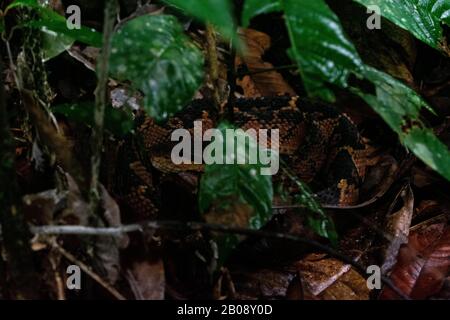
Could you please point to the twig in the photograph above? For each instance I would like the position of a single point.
(87, 270)
(101, 101)
(54, 258)
(232, 82)
(264, 70)
(200, 226)
(213, 63)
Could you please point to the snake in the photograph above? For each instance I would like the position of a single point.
(320, 145)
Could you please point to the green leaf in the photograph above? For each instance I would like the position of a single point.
(217, 12)
(117, 121)
(54, 44)
(425, 145)
(52, 21)
(320, 46)
(23, 3)
(49, 20)
(317, 219)
(237, 194)
(395, 101)
(399, 106)
(252, 8)
(421, 17)
(158, 58)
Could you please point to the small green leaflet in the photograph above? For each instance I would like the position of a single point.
(51, 21)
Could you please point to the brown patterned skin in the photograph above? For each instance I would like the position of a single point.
(319, 144)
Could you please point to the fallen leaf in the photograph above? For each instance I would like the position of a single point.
(397, 228)
(423, 264)
(147, 280)
(328, 278)
(259, 83)
(262, 283)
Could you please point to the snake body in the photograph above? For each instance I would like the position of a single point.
(321, 146)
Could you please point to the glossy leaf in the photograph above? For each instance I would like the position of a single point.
(23, 3)
(421, 17)
(320, 46)
(399, 106)
(54, 44)
(50, 21)
(158, 58)
(251, 193)
(253, 8)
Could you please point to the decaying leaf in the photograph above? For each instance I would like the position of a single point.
(329, 278)
(398, 224)
(423, 264)
(147, 280)
(262, 284)
(259, 83)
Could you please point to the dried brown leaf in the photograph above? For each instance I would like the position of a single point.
(423, 264)
(259, 84)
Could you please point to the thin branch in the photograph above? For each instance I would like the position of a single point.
(264, 70)
(101, 101)
(200, 226)
(87, 270)
(232, 82)
(213, 63)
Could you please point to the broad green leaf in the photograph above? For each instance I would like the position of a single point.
(421, 17)
(50, 21)
(158, 58)
(117, 121)
(236, 194)
(425, 145)
(395, 101)
(252, 8)
(399, 107)
(320, 46)
(217, 12)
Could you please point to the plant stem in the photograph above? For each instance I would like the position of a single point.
(101, 99)
(232, 82)
(213, 63)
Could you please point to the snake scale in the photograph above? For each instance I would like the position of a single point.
(321, 146)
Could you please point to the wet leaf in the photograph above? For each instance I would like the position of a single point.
(319, 46)
(422, 18)
(250, 192)
(399, 106)
(50, 21)
(155, 55)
